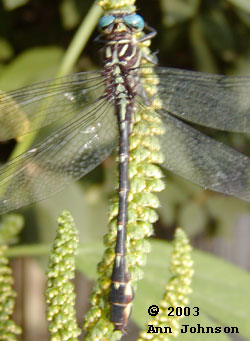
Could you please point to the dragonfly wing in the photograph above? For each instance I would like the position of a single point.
(203, 160)
(38, 105)
(220, 102)
(73, 151)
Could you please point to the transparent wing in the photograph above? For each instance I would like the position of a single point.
(203, 160)
(220, 102)
(74, 150)
(36, 106)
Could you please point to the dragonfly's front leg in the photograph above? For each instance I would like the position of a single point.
(152, 33)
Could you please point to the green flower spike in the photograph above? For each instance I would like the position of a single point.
(9, 228)
(145, 178)
(111, 5)
(60, 295)
(177, 289)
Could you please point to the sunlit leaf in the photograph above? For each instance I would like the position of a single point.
(244, 17)
(69, 13)
(31, 66)
(10, 227)
(15, 114)
(9, 5)
(176, 11)
(6, 50)
(243, 4)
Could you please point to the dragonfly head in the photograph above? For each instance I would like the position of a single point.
(107, 23)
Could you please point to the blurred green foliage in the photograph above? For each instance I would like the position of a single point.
(206, 35)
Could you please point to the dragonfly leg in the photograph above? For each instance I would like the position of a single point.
(151, 59)
(99, 39)
(146, 100)
(152, 33)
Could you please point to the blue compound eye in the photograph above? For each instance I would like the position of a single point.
(105, 21)
(134, 20)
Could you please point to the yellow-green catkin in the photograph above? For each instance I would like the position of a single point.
(9, 228)
(110, 5)
(145, 178)
(60, 295)
(176, 292)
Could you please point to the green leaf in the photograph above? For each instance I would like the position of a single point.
(244, 17)
(31, 66)
(242, 65)
(88, 256)
(192, 218)
(167, 213)
(174, 192)
(176, 11)
(9, 5)
(243, 4)
(69, 13)
(10, 226)
(6, 50)
(82, 204)
(203, 56)
(219, 34)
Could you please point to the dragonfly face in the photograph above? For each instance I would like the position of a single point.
(121, 22)
(121, 47)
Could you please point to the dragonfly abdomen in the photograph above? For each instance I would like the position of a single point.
(121, 294)
(120, 55)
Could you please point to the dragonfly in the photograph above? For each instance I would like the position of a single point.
(95, 110)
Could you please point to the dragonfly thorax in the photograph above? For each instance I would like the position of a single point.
(121, 57)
